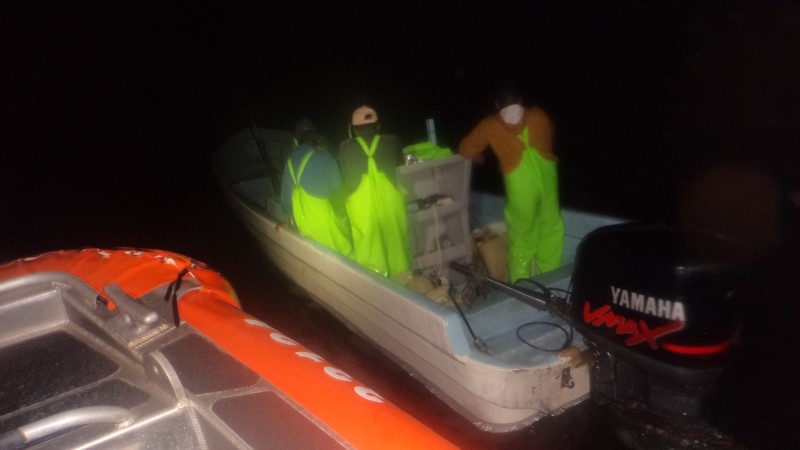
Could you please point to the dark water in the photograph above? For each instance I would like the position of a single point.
(111, 112)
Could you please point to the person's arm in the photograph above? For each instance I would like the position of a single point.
(287, 186)
(398, 146)
(389, 156)
(336, 187)
(473, 144)
(541, 130)
(346, 169)
(332, 174)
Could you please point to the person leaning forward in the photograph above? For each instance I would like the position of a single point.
(303, 126)
(375, 206)
(522, 138)
(311, 190)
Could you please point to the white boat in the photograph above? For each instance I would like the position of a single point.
(477, 363)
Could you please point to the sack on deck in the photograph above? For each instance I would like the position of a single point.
(491, 247)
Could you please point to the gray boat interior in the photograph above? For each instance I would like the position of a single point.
(500, 321)
(74, 374)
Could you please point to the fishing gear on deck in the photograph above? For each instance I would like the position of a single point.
(536, 299)
(560, 304)
(545, 299)
(479, 343)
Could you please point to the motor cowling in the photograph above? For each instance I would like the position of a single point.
(660, 306)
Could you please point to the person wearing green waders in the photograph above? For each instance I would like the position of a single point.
(312, 194)
(303, 126)
(375, 205)
(522, 140)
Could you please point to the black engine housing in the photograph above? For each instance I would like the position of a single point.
(660, 308)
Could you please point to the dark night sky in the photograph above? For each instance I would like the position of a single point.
(111, 111)
(114, 103)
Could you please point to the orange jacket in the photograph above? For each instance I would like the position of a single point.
(495, 133)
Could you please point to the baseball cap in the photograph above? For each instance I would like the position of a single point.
(364, 115)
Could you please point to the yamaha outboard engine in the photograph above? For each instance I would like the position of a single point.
(660, 308)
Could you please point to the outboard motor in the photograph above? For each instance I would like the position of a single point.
(660, 308)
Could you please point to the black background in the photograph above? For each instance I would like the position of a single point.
(110, 112)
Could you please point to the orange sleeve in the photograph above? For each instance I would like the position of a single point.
(475, 142)
(540, 128)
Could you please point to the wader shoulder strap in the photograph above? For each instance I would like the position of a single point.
(296, 178)
(369, 151)
(524, 137)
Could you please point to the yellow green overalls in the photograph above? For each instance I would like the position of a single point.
(315, 217)
(379, 220)
(535, 226)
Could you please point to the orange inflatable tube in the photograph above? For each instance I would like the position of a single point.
(355, 412)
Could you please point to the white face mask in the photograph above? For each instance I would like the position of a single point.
(512, 114)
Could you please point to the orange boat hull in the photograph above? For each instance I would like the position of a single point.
(357, 414)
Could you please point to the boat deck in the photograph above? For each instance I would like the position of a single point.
(74, 374)
(535, 326)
